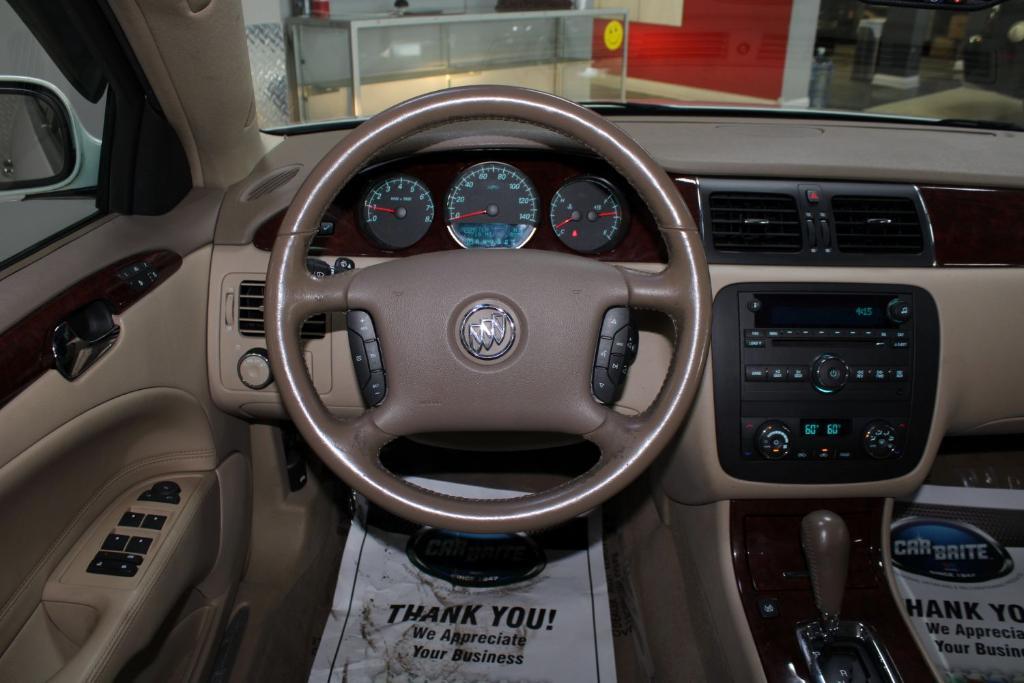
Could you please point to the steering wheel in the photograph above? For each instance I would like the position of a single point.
(555, 304)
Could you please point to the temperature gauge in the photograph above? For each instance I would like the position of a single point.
(588, 215)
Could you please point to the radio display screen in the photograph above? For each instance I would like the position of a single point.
(823, 310)
(824, 428)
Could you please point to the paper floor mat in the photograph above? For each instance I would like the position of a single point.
(421, 605)
(958, 558)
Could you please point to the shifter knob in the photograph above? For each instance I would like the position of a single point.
(826, 543)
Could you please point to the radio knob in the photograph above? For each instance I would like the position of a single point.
(880, 439)
(829, 373)
(899, 310)
(772, 440)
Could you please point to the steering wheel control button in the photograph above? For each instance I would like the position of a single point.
(343, 264)
(254, 369)
(899, 310)
(373, 356)
(604, 389)
(604, 352)
(487, 332)
(773, 440)
(366, 357)
(358, 350)
(614, 320)
(829, 373)
(375, 389)
(361, 323)
(616, 350)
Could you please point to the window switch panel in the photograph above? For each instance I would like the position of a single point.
(155, 522)
(139, 545)
(131, 519)
(115, 542)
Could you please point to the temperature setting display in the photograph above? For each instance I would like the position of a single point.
(823, 438)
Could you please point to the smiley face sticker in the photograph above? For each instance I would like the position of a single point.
(613, 35)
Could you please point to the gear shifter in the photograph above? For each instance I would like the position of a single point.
(826, 543)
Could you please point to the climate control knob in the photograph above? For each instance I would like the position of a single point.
(829, 373)
(880, 439)
(772, 440)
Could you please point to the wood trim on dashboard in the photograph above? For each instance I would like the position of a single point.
(766, 542)
(25, 347)
(976, 226)
(641, 244)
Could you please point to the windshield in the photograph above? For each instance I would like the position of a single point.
(321, 60)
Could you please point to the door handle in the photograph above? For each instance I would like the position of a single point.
(83, 338)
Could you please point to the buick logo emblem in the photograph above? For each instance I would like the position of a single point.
(487, 332)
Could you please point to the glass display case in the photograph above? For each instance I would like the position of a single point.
(345, 66)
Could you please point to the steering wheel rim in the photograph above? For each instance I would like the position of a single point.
(628, 444)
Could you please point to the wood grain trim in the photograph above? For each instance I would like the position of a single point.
(765, 541)
(25, 352)
(976, 227)
(641, 244)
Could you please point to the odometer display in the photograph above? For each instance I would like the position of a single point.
(493, 206)
(396, 212)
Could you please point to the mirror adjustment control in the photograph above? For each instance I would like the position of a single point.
(366, 357)
(617, 348)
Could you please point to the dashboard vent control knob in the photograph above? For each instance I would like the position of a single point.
(829, 373)
(772, 440)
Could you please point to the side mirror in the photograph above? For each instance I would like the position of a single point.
(43, 146)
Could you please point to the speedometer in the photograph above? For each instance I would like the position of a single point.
(492, 205)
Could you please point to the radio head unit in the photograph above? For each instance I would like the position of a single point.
(823, 383)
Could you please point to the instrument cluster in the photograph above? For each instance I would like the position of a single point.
(494, 205)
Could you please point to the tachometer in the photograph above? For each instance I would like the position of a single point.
(396, 212)
(492, 205)
(588, 215)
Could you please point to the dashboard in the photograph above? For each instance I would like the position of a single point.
(799, 231)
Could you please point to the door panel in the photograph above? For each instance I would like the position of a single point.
(76, 454)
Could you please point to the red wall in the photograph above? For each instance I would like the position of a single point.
(738, 46)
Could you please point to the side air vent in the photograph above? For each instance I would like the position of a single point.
(745, 222)
(877, 225)
(250, 313)
(271, 183)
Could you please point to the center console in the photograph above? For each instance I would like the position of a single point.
(823, 383)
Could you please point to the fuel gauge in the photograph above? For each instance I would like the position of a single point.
(588, 215)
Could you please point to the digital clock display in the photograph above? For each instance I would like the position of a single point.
(824, 428)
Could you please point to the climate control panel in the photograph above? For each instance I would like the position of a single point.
(821, 383)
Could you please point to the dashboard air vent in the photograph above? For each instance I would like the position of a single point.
(747, 221)
(877, 225)
(250, 313)
(271, 183)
